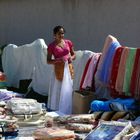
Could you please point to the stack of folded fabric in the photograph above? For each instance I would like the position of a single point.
(82, 123)
(27, 111)
(53, 133)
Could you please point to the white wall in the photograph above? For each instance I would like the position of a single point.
(87, 22)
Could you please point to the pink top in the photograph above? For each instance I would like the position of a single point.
(59, 52)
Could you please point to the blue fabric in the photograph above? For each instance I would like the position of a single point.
(105, 71)
(97, 105)
(127, 104)
(136, 136)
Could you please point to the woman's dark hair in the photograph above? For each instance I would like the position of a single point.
(57, 28)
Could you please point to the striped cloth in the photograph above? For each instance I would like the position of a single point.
(135, 79)
(128, 71)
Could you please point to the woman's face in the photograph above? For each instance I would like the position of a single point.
(60, 34)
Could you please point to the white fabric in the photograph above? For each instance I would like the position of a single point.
(79, 65)
(14, 62)
(27, 62)
(65, 104)
(24, 106)
(41, 76)
(54, 93)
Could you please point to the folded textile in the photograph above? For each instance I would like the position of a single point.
(82, 118)
(117, 104)
(78, 127)
(53, 133)
(24, 106)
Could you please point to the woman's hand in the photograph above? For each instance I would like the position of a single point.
(70, 59)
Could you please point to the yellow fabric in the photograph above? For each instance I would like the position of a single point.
(59, 71)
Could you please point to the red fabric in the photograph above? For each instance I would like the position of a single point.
(115, 66)
(84, 73)
(114, 72)
(134, 77)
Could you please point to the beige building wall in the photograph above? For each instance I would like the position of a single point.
(87, 22)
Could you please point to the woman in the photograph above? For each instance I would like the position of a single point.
(60, 51)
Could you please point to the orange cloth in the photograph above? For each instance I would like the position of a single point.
(59, 71)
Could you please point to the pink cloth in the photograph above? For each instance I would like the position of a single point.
(59, 52)
(90, 71)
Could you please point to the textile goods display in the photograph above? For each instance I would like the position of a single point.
(118, 115)
(113, 115)
(112, 130)
(106, 116)
(53, 133)
(114, 70)
(78, 127)
(82, 118)
(32, 65)
(6, 95)
(103, 71)
(28, 117)
(128, 71)
(121, 70)
(79, 64)
(89, 72)
(24, 106)
(135, 84)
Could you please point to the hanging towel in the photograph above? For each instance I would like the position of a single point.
(109, 39)
(85, 71)
(115, 66)
(135, 74)
(128, 71)
(90, 71)
(121, 70)
(107, 64)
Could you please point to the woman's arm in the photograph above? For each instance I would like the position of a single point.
(73, 55)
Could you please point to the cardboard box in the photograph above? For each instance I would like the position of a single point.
(81, 101)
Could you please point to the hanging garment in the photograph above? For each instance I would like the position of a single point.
(114, 70)
(135, 75)
(109, 39)
(128, 70)
(121, 70)
(107, 64)
(90, 71)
